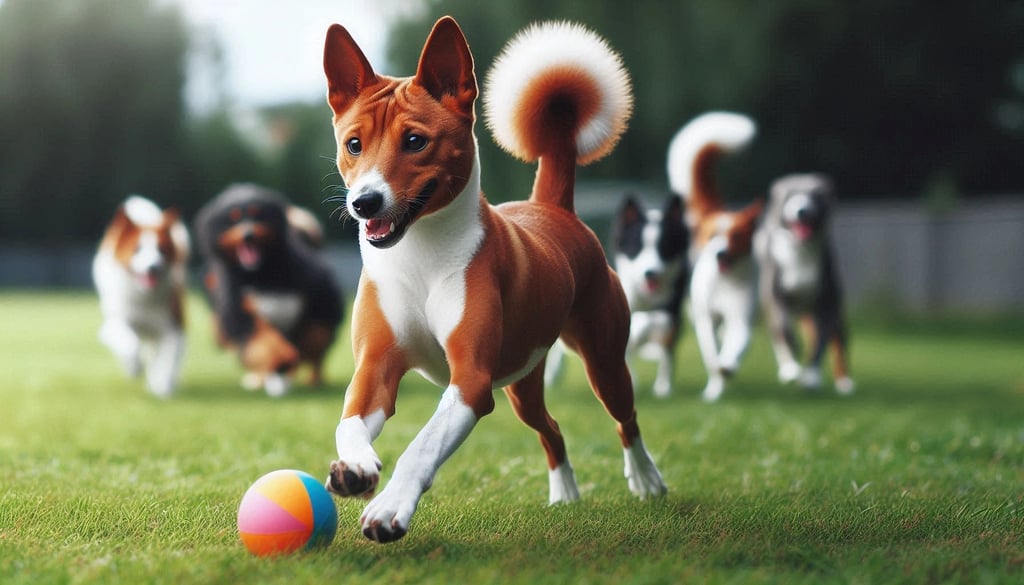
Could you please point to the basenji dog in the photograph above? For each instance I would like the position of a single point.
(468, 294)
(649, 252)
(139, 273)
(723, 300)
(799, 278)
(275, 300)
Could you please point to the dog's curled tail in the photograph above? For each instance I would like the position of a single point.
(695, 149)
(558, 94)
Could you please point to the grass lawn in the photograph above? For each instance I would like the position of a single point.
(917, 478)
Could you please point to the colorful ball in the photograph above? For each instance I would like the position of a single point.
(285, 511)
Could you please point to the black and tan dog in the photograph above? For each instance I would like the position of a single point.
(799, 279)
(275, 300)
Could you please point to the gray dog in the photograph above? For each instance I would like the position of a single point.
(799, 279)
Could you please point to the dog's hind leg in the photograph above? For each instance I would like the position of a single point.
(601, 342)
(527, 399)
(840, 361)
(313, 344)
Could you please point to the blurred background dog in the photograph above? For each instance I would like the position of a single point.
(275, 299)
(649, 248)
(799, 279)
(139, 273)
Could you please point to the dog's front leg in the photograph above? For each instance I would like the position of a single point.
(162, 373)
(387, 516)
(369, 401)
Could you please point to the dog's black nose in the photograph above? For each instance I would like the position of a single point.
(651, 274)
(722, 256)
(368, 204)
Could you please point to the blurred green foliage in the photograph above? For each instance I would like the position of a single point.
(893, 97)
(92, 109)
(887, 95)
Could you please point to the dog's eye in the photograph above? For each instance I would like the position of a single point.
(354, 146)
(415, 143)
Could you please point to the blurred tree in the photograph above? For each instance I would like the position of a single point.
(90, 110)
(886, 95)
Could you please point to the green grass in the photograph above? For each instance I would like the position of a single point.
(917, 478)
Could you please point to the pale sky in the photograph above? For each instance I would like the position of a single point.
(273, 49)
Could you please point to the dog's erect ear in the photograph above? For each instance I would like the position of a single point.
(674, 209)
(446, 67)
(348, 71)
(630, 210)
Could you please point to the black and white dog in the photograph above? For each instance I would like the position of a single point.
(649, 251)
(650, 256)
(799, 279)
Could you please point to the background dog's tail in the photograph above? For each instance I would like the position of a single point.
(558, 94)
(694, 151)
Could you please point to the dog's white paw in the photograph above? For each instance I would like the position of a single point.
(845, 385)
(662, 387)
(810, 379)
(161, 386)
(789, 372)
(641, 473)
(713, 391)
(386, 518)
(252, 381)
(276, 385)
(355, 477)
(562, 485)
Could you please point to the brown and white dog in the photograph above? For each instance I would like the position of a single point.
(468, 294)
(722, 286)
(799, 279)
(139, 273)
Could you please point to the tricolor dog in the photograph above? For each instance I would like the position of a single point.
(468, 294)
(649, 248)
(275, 299)
(723, 301)
(799, 279)
(139, 273)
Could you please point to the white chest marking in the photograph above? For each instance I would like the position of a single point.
(280, 309)
(421, 280)
(799, 265)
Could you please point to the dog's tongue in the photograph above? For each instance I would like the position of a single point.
(378, 228)
(248, 255)
(802, 231)
(147, 280)
(651, 283)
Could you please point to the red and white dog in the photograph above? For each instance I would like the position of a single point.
(139, 273)
(471, 295)
(723, 300)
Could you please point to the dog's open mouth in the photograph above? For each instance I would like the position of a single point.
(249, 255)
(147, 280)
(386, 231)
(651, 283)
(801, 230)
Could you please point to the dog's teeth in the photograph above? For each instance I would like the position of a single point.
(392, 227)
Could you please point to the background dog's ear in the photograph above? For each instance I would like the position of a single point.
(446, 67)
(348, 71)
(630, 210)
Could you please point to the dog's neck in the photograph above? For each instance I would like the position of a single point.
(439, 242)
